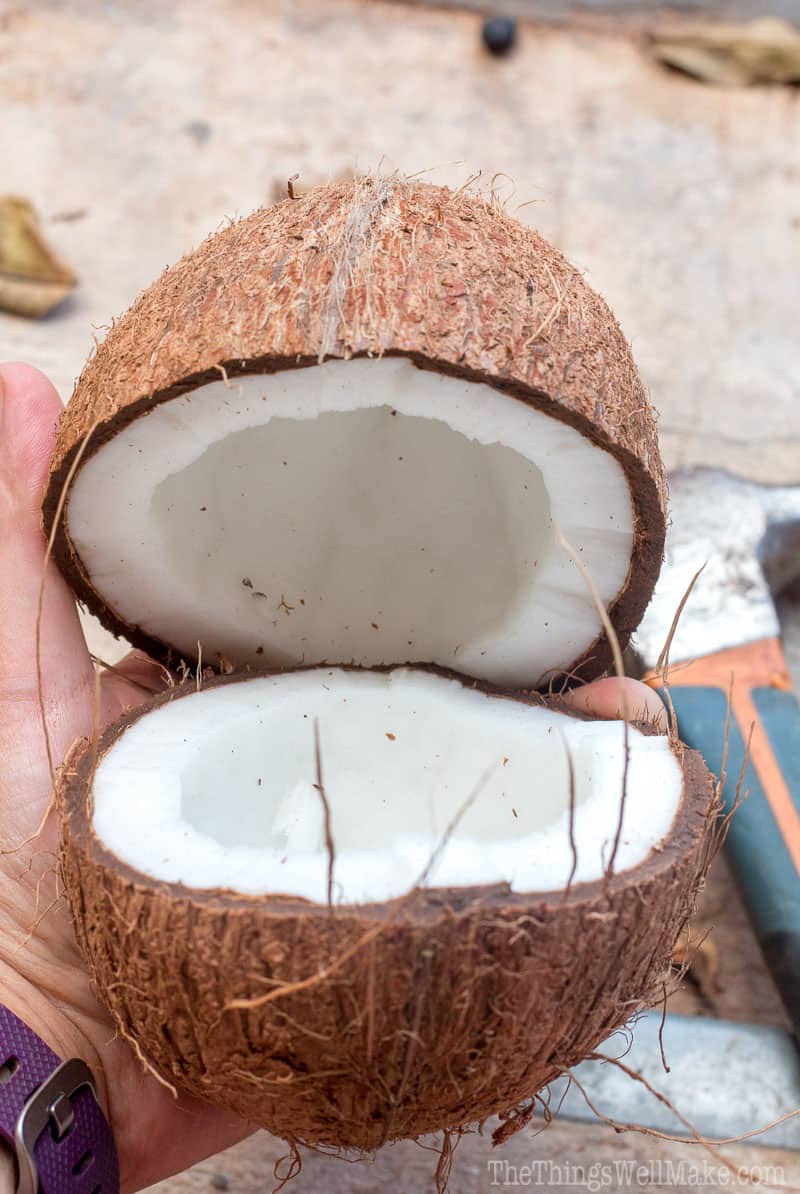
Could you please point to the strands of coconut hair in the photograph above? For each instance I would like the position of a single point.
(662, 668)
(229, 385)
(326, 813)
(199, 668)
(444, 1166)
(551, 316)
(619, 667)
(422, 981)
(516, 1119)
(283, 989)
(293, 1163)
(430, 169)
(711, 1146)
(96, 698)
(571, 814)
(661, 1024)
(40, 914)
(662, 673)
(115, 670)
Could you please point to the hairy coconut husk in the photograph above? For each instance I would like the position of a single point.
(372, 267)
(379, 1021)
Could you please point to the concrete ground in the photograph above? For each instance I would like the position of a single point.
(137, 129)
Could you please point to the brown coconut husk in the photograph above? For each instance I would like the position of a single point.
(374, 267)
(348, 1026)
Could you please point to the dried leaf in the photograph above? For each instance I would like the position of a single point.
(763, 51)
(32, 279)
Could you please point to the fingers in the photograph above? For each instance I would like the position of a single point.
(29, 411)
(612, 698)
(131, 682)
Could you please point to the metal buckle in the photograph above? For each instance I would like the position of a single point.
(50, 1104)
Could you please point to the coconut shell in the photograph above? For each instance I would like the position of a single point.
(371, 267)
(379, 1021)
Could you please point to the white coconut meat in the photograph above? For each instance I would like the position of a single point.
(217, 789)
(363, 511)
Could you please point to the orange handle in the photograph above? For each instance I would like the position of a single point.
(740, 670)
(763, 843)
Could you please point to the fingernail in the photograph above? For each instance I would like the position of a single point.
(2, 397)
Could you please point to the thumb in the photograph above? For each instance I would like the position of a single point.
(613, 698)
(29, 411)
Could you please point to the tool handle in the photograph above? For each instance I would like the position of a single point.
(763, 842)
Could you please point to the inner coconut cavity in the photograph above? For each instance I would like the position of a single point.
(218, 789)
(364, 511)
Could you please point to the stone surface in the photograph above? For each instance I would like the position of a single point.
(147, 125)
(568, 1158)
(636, 11)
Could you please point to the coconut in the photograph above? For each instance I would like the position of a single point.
(373, 884)
(345, 428)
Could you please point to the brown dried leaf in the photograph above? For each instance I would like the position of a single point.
(32, 279)
(762, 51)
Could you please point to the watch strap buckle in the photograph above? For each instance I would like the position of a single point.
(50, 1106)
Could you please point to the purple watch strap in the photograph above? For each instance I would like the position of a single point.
(84, 1160)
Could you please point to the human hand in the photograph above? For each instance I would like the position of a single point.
(42, 976)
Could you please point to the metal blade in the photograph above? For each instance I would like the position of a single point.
(730, 526)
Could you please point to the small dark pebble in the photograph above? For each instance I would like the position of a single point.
(221, 1181)
(499, 34)
(199, 131)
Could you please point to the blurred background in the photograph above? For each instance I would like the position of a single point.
(658, 148)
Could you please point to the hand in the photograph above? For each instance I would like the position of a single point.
(42, 977)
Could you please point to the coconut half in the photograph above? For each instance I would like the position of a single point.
(475, 946)
(347, 430)
(337, 448)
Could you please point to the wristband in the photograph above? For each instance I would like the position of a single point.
(50, 1116)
